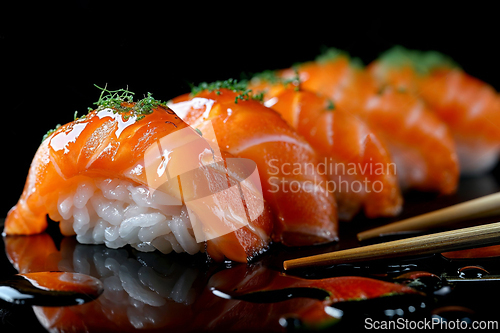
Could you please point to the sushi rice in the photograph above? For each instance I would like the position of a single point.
(117, 212)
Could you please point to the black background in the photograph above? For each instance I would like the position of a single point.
(51, 53)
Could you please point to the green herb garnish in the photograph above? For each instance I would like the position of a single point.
(114, 99)
(49, 133)
(295, 80)
(230, 84)
(268, 76)
(330, 105)
(423, 62)
(272, 78)
(258, 96)
(120, 101)
(243, 96)
(240, 87)
(332, 54)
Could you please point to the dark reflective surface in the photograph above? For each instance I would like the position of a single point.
(155, 292)
(54, 54)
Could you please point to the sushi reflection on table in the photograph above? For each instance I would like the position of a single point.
(153, 291)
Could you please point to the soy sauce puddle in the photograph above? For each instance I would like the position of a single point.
(288, 321)
(50, 289)
(274, 296)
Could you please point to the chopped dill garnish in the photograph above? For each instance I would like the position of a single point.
(258, 96)
(272, 77)
(422, 62)
(75, 115)
(295, 80)
(332, 54)
(120, 101)
(267, 76)
(114, 99)
(240, 87)
(330, 105)
(49, 133)
(230, 84)
(243, 96)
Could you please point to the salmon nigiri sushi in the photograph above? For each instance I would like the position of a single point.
(304, 210)
(419, 142)
(133, 173)
(332, 74)
(470, 107)
(357, 163)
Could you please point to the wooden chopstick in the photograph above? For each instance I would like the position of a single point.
(458, 239)
(481, 207)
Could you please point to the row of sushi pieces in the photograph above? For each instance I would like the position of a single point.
(329, 138)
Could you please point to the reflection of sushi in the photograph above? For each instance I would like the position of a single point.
(251, 283)
(141, 291)
(151, 292)
(357, 163)
(470, 107)
(304, 210)
(419, 142)
(92, 176)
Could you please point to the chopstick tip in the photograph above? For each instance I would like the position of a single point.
(365, 235)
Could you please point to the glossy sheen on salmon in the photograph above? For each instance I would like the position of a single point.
(355, 160)
(306, 213)
(419, 142)
(469, 106)
(110, 144)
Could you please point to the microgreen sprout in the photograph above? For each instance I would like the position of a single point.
(121, 101)
(240, 87)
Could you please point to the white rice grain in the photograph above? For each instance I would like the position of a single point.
(162, 245)
(115, 189)
(84, 192)
(81, 220)
(138, 222)
(65, 206)
(148, 234)
(98, 233)
(182, 235)
(117, 212)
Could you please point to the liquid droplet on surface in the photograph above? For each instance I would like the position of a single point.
(50, 289)
(472, 272)
(273, 296)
